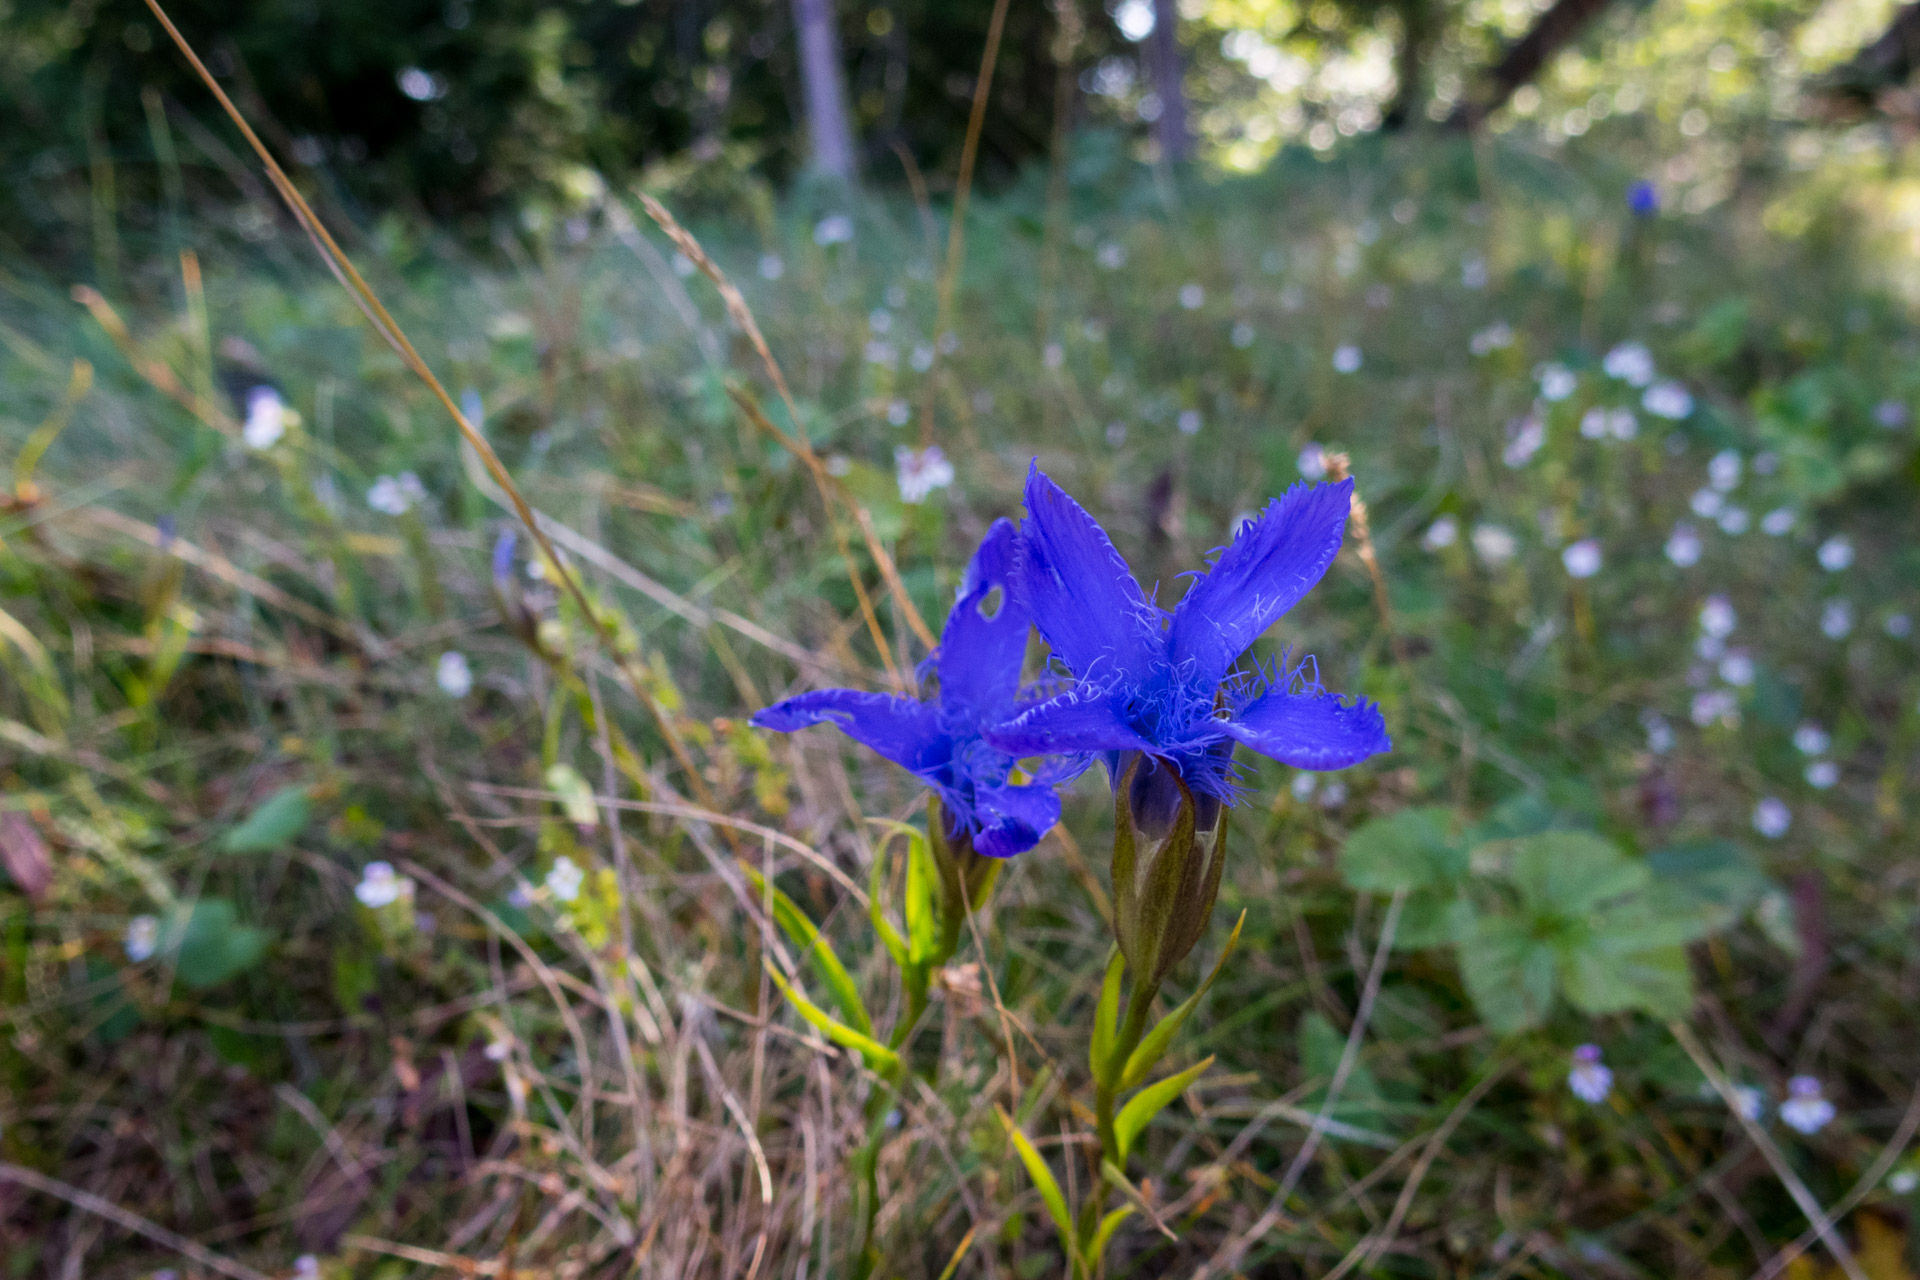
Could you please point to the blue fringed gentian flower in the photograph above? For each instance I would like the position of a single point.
(940, 741)
(1157, 690)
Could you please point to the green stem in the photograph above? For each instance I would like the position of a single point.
(1106, 1098)
(866, 1161)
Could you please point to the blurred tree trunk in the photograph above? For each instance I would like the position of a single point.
(1527, 57)
(1168, 70)
(1885, 65)
(829, 131)
(1418, 29)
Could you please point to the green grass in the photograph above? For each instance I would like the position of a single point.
(327, 1085)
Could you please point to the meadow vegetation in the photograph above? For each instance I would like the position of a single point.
(378, 906)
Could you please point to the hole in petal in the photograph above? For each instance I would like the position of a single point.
(991, 603)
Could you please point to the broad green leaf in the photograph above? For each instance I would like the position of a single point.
(1508, 971)
(1106, 1016)
(1717, 877)
(1432, 918)
(576, 797)
(1568, 873)
(1523, 815)
(795, 924)
(1321, 1048)
(1153, 1045)
(211, 945)
(278, 819)
(1044, 1183)
(1143, 1106)
(1656, 982)
(879, 1058)
(1413, 849)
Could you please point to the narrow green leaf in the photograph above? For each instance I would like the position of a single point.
(576, 796)
(1043, 1183)
(889, 936)
(878, 1057)
(923, 921)
(278, 819)
(1154, 1044)
(795, 924)
(1101, 1237)
(1146, 1104)
(1106, 1016)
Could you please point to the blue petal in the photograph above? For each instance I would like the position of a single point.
(1012, 819)
(1082, 720)
(1310, 730)
(1080, 592)
(980, 653)
(1272, 563)
(904, 731)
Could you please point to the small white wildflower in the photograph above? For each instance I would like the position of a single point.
(880, 320)
(565, 878)
(1473, 273)
(498, 1050)
(1822, 774)
(1116, 434)
(1717, 617)
(899, 413)
(1748, 1102)
(1715, 706)
(1312, 461)
(835, 228)
(1630, 362)
(143, 938)
(1443, 532)
(1242, 336)
(520, 897)
(395, 495)
(1711, 648)
(453, 674)
(1557, 382)
(1346, 358)
(1582, 558)
(1667, 400)
(1734, 521)
(306, 1267)
(1524, 438)
(1836, 620)
(1684, 546)
(380, 886)
(1903, 1182)
(1891, 414)
(1590, 1079)
(771, 267)
(883, 354)
(682, 264)
(1723, 470)
(1660, 736)
(1622, 425)
(421, 86)
(1706, 504)
(1188, 422)
(1303, 786)
(920, 472)
(1193, 296)
(922, 357)
(1493, 544)
(1836, 553)
(1593, 424)
(1771, 817)
(1778, 522)
(1053, 355)
(1333, 793)
(1805, 1111)
(1112, 255)
(1898, 625)
(1495, 337)
(1811, 740)
(266, 418)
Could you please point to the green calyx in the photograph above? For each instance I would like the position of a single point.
(1164, 889)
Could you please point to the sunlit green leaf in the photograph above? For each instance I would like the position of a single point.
(818, 952)
(1143, 1106)
(272, 825)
